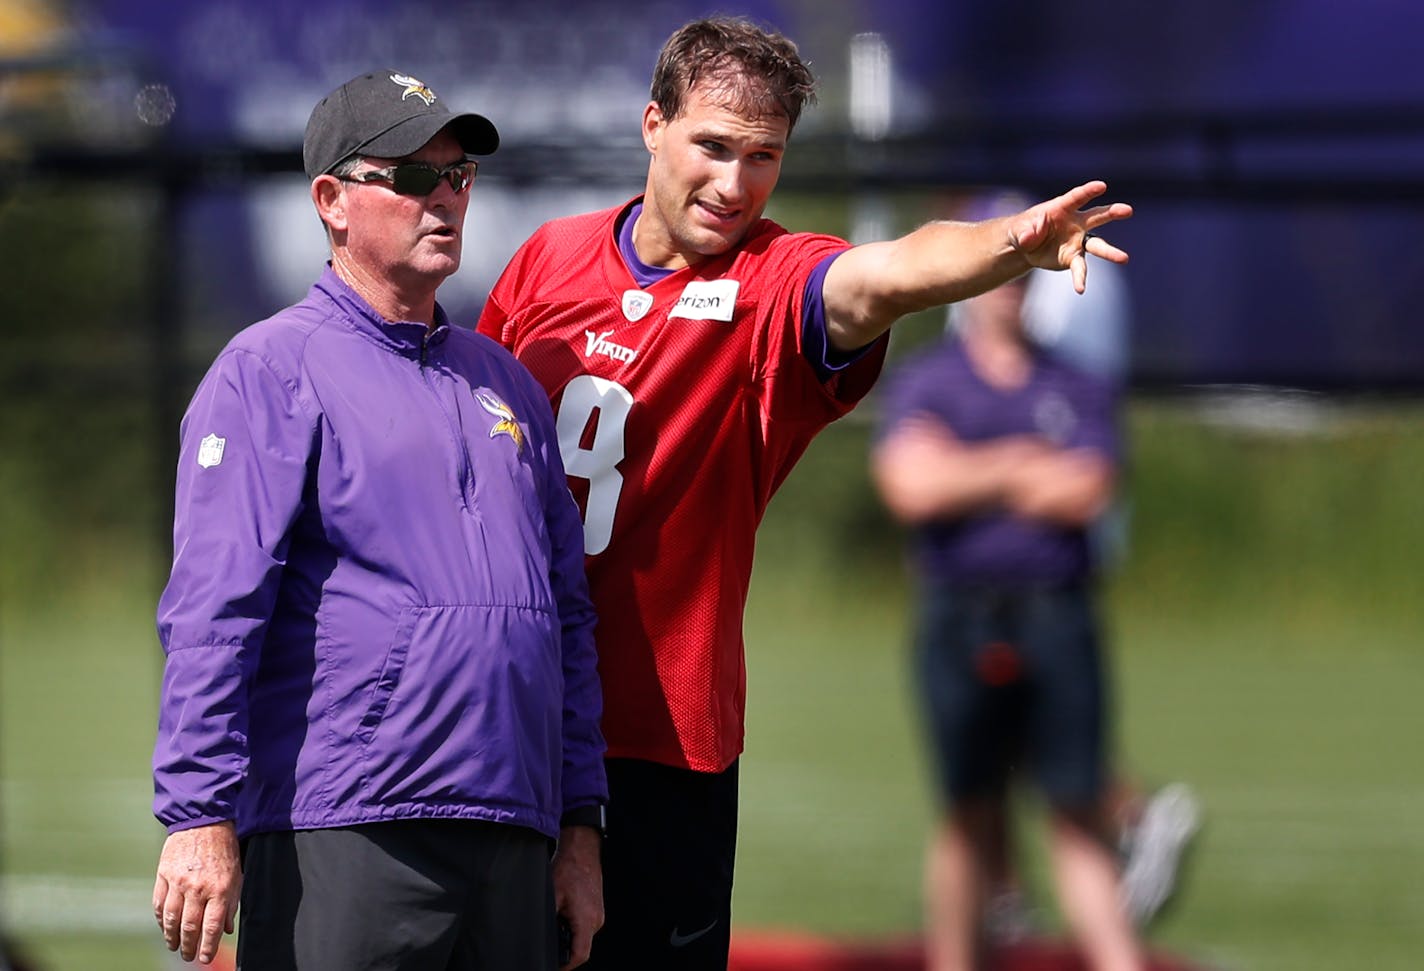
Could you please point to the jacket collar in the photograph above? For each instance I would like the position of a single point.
(404, 337)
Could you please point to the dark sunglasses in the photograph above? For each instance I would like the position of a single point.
(419, 178)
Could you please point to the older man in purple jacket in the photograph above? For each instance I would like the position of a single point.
(380, 689)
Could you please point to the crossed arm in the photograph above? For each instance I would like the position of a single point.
(925, 473)
(871, 286)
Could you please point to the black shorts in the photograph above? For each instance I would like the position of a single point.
(405, 895)
(1009, 678)
(667, 868)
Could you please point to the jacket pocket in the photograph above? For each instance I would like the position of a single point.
(388, 679)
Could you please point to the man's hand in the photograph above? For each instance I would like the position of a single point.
(1057, 234)
(1066, 487)
(924, 473)
(578, 887)
(870, 286)
(195, 896)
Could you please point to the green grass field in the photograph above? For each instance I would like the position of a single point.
(1268, 648)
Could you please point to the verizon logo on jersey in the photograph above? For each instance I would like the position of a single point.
(600, 344)
(707, 300)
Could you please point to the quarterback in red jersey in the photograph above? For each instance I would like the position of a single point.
(691, 350)
(682, 404)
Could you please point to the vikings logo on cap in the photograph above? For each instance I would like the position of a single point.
(414, 87)
(507, 424)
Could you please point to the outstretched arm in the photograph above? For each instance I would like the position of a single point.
(871, 286)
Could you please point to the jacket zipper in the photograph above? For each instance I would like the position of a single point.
(467, 468)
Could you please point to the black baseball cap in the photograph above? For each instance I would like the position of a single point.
(387, 114)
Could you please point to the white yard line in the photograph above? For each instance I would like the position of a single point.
(46, 903)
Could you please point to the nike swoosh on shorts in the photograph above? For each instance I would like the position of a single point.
(682, 940)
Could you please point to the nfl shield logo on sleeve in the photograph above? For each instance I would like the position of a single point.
(210, 451)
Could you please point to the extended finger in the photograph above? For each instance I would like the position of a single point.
(160, 894)
(215, 921)
(190, 928)
(1101, 248)
(1079, 196)
(171, 915)
(1101, 215)
(1079, 268)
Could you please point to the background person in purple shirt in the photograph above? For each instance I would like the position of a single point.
(380, 689)
(999, 457)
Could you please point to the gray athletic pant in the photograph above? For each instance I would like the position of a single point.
(406, 895)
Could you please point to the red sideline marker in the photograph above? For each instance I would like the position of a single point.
(765, 951)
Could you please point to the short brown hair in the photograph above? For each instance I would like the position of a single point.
(722, 48)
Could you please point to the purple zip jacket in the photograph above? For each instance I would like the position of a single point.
(377, 608)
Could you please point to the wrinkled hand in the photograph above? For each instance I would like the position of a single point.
(578, 887)
(195, 896)
(1055, 235)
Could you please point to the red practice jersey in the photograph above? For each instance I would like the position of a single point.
(681, 408)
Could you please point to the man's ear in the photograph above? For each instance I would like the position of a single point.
(653, 124)
(329, 197)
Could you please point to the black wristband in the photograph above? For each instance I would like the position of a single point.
(594, 816)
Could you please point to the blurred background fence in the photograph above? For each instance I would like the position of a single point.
(1266, 609)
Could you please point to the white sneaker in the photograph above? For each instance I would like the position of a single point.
(1154, 851)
